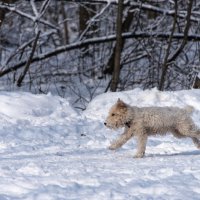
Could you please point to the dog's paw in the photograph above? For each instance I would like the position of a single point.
(139, 155)
(112, 147)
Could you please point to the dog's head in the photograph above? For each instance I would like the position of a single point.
(117, 115)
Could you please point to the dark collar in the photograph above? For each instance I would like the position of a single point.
(128, 124)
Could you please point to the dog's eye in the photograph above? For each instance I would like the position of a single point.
(113, 114)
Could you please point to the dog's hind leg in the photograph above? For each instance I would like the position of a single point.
(196, 142)
(121, 140)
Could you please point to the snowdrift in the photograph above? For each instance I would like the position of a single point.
(98, 108)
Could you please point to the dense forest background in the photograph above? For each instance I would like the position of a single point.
(78, 49)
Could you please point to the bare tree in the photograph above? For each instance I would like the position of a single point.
(167, 60)
(82, 50)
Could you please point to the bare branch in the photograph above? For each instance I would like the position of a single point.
(92, 20)
(34, 7)
(23, 46)
(185, 38)
(44, 6)
(93, 41)
(145, 6)
(33, 18)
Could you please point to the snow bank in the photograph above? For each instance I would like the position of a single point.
(25, 106)
(98, 108)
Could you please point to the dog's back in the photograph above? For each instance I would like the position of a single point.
(160, 119)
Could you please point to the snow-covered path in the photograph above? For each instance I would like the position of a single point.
(50, 152)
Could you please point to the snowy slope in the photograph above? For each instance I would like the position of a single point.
(48, 151)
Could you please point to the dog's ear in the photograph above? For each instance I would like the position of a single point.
(121, 104)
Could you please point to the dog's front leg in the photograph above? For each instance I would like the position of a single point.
(196, 142)
(121, 140)
(141, 145)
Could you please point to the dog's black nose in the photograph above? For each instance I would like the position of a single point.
(105, 123)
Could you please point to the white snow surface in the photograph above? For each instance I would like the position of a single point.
(48, 151)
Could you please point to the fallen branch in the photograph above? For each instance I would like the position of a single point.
(92, 41)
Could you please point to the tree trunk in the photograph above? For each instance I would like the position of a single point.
(125, 27)
(85, 15)
(2, 15)
(22, 76)
(65, 24)
(116, 72)
(196, 84)
(165, 64)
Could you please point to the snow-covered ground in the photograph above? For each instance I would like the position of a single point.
(48, 151)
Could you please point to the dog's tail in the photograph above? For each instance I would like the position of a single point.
(189, 109)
